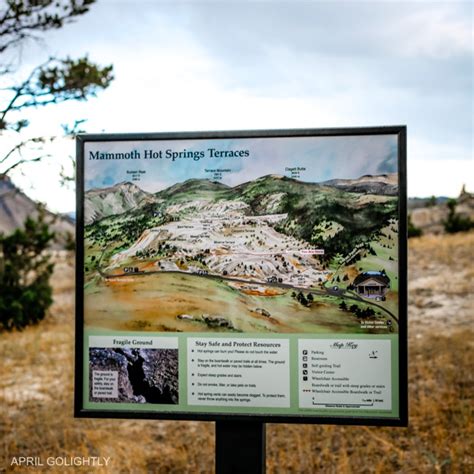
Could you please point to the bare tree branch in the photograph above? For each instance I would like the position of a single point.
(57, 81)
(22, 17)
(19, 90)
(52, 82)
(24, 161)
(19, 146)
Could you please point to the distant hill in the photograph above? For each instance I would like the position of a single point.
(16, 206)
(417, 202)
(193, 189)
(193, 186)
(430, 217)
(267, 194)
(116, 199)
(321, 214)
(385, 184)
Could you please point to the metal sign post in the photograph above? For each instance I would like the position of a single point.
(240, 447)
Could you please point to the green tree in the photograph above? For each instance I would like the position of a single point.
(456, 222)
(25, 266)
(25, 269)
(353, 308)
(343, 305)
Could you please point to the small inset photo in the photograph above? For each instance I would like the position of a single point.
(126, 375)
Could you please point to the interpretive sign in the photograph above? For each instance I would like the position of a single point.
(250, 274)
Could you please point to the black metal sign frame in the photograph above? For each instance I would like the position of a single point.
(401, 420)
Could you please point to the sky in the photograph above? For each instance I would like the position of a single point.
(157, 165)
(221, 65)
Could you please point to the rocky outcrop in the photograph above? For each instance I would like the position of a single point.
(430, 219)
(144, 375)
(15, 207)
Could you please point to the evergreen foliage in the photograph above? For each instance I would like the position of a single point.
(25, 269)
(343, 305)
(456, 222)
(359, 312)
(25, 266)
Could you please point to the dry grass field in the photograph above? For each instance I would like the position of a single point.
(36, 384)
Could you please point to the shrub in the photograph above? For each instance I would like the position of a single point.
(25, 270)
(455, 222)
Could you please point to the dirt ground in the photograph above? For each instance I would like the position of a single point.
(440, 284)
(36, 386)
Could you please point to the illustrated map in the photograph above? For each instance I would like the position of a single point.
(214, 249)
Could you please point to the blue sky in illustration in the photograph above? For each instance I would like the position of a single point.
(323, 158)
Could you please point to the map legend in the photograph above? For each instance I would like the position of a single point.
(345, 373)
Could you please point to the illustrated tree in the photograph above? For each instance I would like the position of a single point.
(25, 268)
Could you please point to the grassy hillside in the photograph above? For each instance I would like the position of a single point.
(357, 218)
(193, 189)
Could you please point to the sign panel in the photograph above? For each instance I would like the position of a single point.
(243, 274)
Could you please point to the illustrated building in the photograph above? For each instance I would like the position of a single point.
(372, 284)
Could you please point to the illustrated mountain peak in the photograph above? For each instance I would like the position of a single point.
(116, 199)
(384, 184)
(273, 176)
(124, 186)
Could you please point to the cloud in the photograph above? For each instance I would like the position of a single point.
(379, 62)
(247, 65)
(437, 30)
(439, 178)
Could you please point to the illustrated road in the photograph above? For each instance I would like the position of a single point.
(334, 291)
